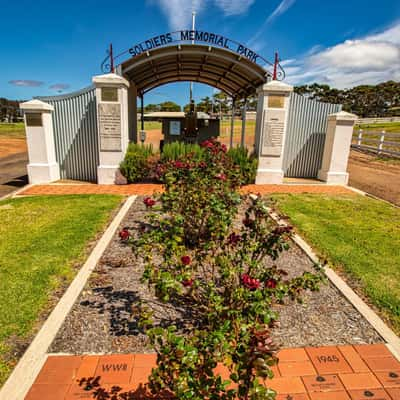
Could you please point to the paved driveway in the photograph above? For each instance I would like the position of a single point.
(13, 174)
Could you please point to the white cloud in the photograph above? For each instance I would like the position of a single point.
(179, 12)
(234, 7)
(369, 60)
(283, 6)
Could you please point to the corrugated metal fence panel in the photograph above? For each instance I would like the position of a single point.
(305, 136)
(75, 134)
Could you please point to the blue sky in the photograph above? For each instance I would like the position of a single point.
(53, 46)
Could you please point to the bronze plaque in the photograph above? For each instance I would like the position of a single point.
(276, 101)
(33, 119)
(109, 94)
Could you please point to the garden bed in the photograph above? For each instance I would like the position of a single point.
(102, 320)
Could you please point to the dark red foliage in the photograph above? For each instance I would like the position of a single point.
(188, 282)
(271, 283)
(279, 230)
(234, 239)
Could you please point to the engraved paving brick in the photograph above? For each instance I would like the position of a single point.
(59, 369)
(285, 385)
(88, 367)
(323, 383)
(370, 394)
(389, 378)
(115, 368)
(328, 360)
(290, 355)
(47, 392)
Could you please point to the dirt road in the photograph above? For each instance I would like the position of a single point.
(380, 178)
(13, 160)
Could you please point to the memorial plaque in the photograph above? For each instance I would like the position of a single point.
(33, 119)
(175, 128)
(110, 127)
(109, 94)
(323, 383)
(273, 132)
(276, 101)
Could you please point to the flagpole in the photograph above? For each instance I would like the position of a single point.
(193, 29)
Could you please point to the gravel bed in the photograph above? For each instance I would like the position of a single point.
(101, 321)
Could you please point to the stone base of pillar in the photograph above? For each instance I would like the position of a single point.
(43, 173)
(107, 174)
(271, 176)
(333, 178)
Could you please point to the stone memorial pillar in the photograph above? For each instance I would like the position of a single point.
(112, 124)
(272, 112)
(43, 166)
(337, 148)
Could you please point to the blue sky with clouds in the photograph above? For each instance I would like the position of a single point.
(49, 47)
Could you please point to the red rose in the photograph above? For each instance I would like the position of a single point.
(124, 234)
(271, 283)
(179, 164)
(149, 202)
(186, 260)
(187, 282)
(202, 165)
(249, 282)
(223, 148)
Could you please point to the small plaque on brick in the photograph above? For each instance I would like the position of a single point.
(33, 119)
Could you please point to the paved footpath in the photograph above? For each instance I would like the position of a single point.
(149, 189)
(360, 372)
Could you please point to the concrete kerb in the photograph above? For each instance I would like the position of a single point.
(391, 339)
(28, 367)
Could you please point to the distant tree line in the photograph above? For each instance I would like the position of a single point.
(9, 110)
(382, 100)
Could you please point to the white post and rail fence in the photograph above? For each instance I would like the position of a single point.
(381, 143)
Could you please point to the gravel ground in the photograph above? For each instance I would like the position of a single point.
(101, 320)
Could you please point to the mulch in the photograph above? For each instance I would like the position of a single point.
(102, 321)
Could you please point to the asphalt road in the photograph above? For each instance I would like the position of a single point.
(13, 174)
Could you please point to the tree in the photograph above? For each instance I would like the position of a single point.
(151, 108)
(169, 106)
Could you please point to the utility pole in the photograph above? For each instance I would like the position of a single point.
(193, 29)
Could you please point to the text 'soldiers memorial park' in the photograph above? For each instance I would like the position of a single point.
(190, 35)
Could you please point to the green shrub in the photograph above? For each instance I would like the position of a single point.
(176, 150)
(246, 162)
(136, 164)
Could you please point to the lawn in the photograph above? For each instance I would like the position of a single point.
(41, 239)
(16, 130)
(359, 236)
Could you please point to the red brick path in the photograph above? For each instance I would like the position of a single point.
(361, 372)
(149, 189)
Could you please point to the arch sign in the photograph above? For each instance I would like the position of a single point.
(196, 36)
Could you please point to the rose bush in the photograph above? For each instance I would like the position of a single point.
(215, 267)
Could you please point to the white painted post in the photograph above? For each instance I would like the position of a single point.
(337, 148)
(113, 125)
(271, 125)
(43, 166)
(381, 142)
(359, 138)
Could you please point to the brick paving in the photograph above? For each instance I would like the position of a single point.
(149, 189)
(361, 372)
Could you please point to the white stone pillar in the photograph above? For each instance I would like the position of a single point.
(42, 167)
(337, 148)
(112, 124)
(271, 124)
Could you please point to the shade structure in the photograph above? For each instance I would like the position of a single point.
(218, 67)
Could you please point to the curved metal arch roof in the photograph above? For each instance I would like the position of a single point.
(215, 66)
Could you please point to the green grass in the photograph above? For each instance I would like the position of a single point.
(150, 125)
(357, 235)
(41, 238)
(388, 127)
(16, 130)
